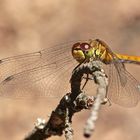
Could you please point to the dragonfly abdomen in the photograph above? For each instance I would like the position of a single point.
(129, 59)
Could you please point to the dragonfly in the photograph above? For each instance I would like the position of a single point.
(46, 73)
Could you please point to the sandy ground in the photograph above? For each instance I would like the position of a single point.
(27, 26)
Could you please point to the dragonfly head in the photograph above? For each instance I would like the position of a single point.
(92, 49)
(82, 51)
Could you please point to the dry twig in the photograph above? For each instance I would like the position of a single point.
(61, 118)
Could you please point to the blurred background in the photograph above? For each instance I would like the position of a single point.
(27, 26)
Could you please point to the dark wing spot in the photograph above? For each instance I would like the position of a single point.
(40, 53)
(1, 61)
(9, 78)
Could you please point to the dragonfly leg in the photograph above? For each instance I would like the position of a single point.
(79, 65)
(87, 78)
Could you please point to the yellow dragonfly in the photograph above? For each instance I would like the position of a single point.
(46, 73)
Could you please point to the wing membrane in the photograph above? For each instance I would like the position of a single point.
(45, 73)
(126, 95)
(123, 88)
(17, 64)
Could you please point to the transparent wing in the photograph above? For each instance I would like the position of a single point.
(45, 73)
(17, 64)
(123, 88)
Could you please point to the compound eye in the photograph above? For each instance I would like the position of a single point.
(76, 45)
(85, 46)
